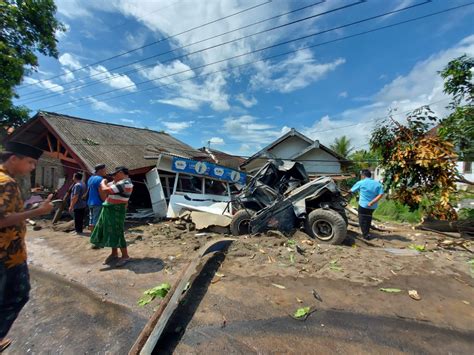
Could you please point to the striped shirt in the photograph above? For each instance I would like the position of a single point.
(120, 192)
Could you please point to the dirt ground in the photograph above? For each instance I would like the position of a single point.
(265, 278)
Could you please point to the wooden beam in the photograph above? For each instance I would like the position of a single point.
(49, 142)
(59, 155)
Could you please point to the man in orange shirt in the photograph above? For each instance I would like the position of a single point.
(18, 159)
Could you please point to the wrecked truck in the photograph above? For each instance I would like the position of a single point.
(281, 197)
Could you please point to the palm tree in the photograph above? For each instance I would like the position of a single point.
(342, 146)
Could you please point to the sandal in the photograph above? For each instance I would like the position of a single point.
(110, 259)
(5, 343)
(122, 262)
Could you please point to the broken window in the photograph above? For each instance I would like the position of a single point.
(190, 184)
(215, 187)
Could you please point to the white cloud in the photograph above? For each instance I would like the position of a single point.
(204, 91)
(343, 94)
(103, 106)
(126, 120)
(69, 61)
(177, 127)
(45, 84)
(247, 102)
(250, 130)
(116, 81)
(72, 9)
(217, 141)
(182, 102)
(296, 72)
(422, 85)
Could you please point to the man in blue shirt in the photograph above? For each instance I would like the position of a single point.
(78, 205)
(370, 192)
(95, 199)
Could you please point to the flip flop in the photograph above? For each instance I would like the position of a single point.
(5, 343)
(109, 259)
(122, 262)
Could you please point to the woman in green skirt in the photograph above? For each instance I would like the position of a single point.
(109, 230)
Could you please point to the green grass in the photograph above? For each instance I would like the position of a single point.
(392, 211)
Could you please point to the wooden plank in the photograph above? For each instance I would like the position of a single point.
(150, 335)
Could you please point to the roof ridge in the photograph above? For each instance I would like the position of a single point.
(98, 122)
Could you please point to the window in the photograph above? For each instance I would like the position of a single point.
(467, 169)
(215, 187)
(192, 184)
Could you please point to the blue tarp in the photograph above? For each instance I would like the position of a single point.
(204, 168)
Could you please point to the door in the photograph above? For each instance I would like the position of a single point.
(157, 196)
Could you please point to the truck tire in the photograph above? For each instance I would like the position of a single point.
(240, 222)
(326, 226)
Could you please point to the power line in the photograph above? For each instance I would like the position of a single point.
(267, 58)
(140, 68)
(163, 53)
(153, 43)
(245, 54)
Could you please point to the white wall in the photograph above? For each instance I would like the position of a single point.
(289, 147)
(317, 161)
(461, 166)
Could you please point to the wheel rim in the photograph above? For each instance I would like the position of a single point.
(244, 227)
(322, 229)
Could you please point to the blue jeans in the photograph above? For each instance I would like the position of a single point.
(14, 294)
(94, 213)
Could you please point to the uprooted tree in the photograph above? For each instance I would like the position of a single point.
(417, 166)
(420, 166)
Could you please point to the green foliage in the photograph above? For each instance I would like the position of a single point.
(342, 146)
(394, 211)
(458, 127)
(27, 27)
(417, 166)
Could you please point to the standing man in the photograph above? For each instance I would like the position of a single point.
(78, 205)
(109, 231)
(95, 200)
(18, 160)
(370, 192)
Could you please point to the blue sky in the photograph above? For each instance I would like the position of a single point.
(242, 104)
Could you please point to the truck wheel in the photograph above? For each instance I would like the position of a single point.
(240, 223)
(326, 226)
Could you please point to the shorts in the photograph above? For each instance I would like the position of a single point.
(94, 213)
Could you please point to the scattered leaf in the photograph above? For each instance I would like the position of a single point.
(420, 248)
(301, 301)
(291, 242)
(218, 274)
(301, 312)
(279, 286)
(253, 256)
(149, 295)
(390, 290)
(307, 241)
(466, 302)
(262, 251)
(414, 294)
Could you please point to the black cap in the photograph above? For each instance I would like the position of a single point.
(99, 167)
(23, 149)
(120, 169)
